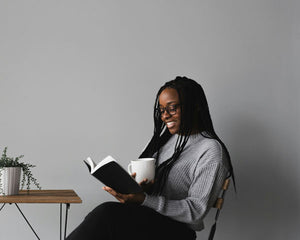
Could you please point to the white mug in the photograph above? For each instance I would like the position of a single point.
(143, 167)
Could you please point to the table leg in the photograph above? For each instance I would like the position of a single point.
(2, 206)
(27, 221)
(60, 221)
(66, 221)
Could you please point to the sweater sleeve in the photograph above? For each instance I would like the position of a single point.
(203, 192)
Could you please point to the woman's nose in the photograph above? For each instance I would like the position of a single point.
(165, 115)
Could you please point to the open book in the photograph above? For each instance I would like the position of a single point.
(111, 174)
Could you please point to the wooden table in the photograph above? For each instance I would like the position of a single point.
(43, 196)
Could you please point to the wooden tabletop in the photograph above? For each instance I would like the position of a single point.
(42, 196)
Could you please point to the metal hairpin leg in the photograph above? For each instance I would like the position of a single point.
(27, 221)
(66, 220)
(2, 206)
(60, 221)
(24, 218)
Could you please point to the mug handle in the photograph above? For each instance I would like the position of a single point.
(129, 168)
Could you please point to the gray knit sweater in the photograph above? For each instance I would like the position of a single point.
(194, 181)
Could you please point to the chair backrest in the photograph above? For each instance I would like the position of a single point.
(218, 205)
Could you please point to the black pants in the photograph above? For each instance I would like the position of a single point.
(117, 221)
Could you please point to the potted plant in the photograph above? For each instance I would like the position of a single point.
(10, 173)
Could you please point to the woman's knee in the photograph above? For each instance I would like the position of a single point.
(101, 219)
(104, 211)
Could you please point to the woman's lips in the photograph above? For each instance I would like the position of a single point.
(170, 124)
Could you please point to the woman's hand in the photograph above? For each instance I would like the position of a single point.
(126, 198)
(133, 197)
(146, 185)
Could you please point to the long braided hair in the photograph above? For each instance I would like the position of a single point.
(195, 118)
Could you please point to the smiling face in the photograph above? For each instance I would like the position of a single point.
(170, 109)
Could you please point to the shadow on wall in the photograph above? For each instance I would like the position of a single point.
(267, 204)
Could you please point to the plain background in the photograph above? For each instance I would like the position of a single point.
(79, 78)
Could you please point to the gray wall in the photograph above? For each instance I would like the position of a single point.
(78, 79)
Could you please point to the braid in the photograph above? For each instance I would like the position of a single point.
(162, 171)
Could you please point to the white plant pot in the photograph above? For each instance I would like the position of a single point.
(10, 180)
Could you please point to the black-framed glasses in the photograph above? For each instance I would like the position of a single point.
(170, 109)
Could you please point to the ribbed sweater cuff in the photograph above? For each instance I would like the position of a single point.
(151, 202)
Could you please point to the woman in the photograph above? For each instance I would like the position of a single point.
(192, 164)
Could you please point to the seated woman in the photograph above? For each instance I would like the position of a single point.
(191, 166)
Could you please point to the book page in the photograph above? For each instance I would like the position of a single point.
(90, 162)
(103, 162)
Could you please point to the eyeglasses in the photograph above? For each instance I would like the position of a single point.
(171, 109)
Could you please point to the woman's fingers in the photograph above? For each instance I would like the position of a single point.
(144, 182)
(120, 197)
(111, 191)
(133, 175)
(108, 189)
(123, 198)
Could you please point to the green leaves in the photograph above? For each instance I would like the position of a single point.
(27, 178)
(6, 161)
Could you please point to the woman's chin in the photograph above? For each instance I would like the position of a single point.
(173, 130)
